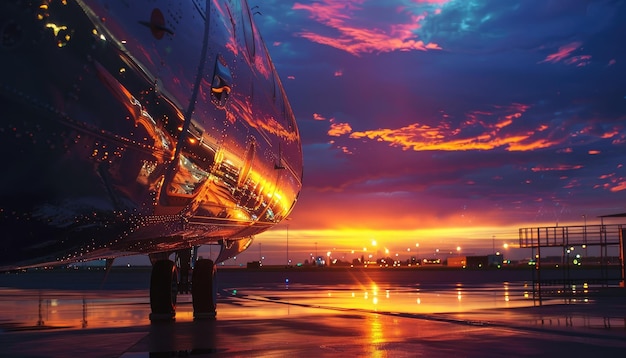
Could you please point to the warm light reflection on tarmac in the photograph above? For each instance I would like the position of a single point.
(52, 308)
(57, 308)
(368, 313)
(401, 299)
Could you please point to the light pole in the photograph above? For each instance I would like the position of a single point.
(585, 229)
(288, 261)
(417, 245)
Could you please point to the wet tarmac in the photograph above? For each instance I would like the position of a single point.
(367, 313)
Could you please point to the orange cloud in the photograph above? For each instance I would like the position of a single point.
(338, 129)
(613, 184)
(557, 168)
(619, 187)
(345, 150)
(358, 39)
(422, 137)
(507, 121)
(528, 146)
(611, 134)
(318, 117)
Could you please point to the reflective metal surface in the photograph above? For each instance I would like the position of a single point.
(138, 127)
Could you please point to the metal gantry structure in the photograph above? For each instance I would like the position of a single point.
(569, 238)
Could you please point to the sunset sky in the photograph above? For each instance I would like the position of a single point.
(448, 122)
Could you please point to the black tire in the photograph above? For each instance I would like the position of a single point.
(163, 289)
(203, 289)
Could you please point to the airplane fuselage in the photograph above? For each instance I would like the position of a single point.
(131, 127)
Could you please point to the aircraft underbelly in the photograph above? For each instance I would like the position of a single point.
(103, 151)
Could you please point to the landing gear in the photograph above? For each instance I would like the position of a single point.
(163, 290)
(165, 284)
(204, 290)
(183, 261)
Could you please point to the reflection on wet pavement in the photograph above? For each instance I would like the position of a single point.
(278, 318)
(95, 309)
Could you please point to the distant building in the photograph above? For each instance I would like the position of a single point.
(495, 260)
(476, 262)
(457, 261)
(254, 265)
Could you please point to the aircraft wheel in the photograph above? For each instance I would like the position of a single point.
(163, 290)
(204, 289)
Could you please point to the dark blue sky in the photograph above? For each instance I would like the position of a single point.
(459, 114)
